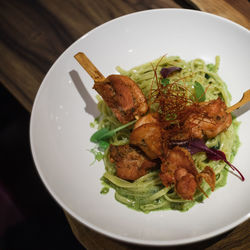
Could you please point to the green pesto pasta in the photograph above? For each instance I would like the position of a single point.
(148, 193)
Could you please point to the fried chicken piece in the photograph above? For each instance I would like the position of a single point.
(178, 168)
(178, 157)
(149, 118)
(186, 186)
(123, 96)
(203, 120)
(211, 120)
(130, 163)
(149, 138)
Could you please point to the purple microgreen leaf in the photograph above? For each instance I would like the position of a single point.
(165, 72)
(197, 145)
(216, 155)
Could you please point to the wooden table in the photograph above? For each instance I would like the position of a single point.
(35, 33)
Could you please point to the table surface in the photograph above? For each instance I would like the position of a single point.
(33, 34)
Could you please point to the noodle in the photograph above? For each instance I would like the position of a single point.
(148, 193)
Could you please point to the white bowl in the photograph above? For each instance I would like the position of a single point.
(65, 105)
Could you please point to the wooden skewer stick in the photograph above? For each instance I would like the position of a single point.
(244, 100)
(91, 69)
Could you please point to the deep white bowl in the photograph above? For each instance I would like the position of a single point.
(65, 106)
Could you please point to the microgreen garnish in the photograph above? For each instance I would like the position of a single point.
(198, 145)
(97, 136)
(165, 72)
(102, 136)
(165, 81)
(103, 145)
(199, 92)
(212, 154)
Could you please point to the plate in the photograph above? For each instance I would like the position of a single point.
(65, 105)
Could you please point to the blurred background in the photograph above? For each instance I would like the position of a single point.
(29, 217)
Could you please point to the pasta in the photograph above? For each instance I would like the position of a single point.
(148, 193)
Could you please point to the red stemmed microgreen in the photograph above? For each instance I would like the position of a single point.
(197, 145)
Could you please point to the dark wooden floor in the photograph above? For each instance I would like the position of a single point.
(32, 219)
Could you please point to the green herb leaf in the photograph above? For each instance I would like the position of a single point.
(105, 134)
(103, 145)
(199, 92)
(98, 134)
(165, 81)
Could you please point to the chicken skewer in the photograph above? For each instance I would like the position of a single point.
(121, 93)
